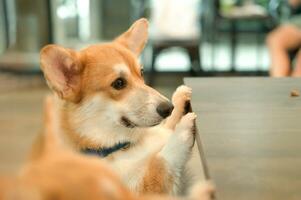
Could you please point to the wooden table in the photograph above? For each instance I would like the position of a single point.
(250, 129)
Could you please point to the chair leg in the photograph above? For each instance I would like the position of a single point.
(259, 54)
(233, 40)
(195, 60)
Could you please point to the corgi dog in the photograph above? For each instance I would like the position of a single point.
(58, 173)
(106, 109)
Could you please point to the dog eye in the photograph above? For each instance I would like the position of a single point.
(119, 83)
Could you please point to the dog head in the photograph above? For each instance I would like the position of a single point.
(103, 84)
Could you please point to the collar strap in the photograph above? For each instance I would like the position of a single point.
(104, 152)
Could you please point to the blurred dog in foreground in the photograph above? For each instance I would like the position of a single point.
(59, 173)
(106, 109)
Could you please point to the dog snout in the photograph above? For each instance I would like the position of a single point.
(164, 109)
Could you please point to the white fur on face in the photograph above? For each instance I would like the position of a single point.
(99, 118)
(140, 107)
(122, 69)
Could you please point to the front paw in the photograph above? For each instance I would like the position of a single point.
(181, 96)
(178, 148)
(185, 129)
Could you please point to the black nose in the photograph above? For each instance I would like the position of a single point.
(164, 109)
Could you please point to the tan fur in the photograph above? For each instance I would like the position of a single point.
(72, 71)
(157, 179)
(178, 98)
(77, 141)
(129, 38)
(89, 111)
(59, 173)
(96, 68)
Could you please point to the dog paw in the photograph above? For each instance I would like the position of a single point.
(203, 191)
(185, 128)
(181, 96)
(178, 148)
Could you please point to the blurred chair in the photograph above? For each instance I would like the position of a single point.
(191, 45)
(233, 17)
(175, 23)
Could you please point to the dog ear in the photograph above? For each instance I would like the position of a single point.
(62, 69)
(135, 37)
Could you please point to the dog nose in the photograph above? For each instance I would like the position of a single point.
(164, 109)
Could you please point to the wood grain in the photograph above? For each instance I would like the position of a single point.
(251, 134)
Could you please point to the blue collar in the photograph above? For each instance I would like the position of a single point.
(104, 152)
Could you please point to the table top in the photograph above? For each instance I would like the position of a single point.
(250, 130)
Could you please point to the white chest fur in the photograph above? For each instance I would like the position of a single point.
(131, 164)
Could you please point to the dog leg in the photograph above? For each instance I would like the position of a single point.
(157, 178)
(165, 168)
(179, 99)
(178, 148)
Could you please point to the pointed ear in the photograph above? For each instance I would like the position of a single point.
(135, 37)
(62, 69)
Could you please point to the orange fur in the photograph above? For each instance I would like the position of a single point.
(59, 173)
(98, 65)
(88, 72)
(96, 75)
(157, 179)
(90, 110)
(73, 137)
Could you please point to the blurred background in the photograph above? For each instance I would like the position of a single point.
(201, 37)
(187, 38)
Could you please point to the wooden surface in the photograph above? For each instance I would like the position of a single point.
(251, 134)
